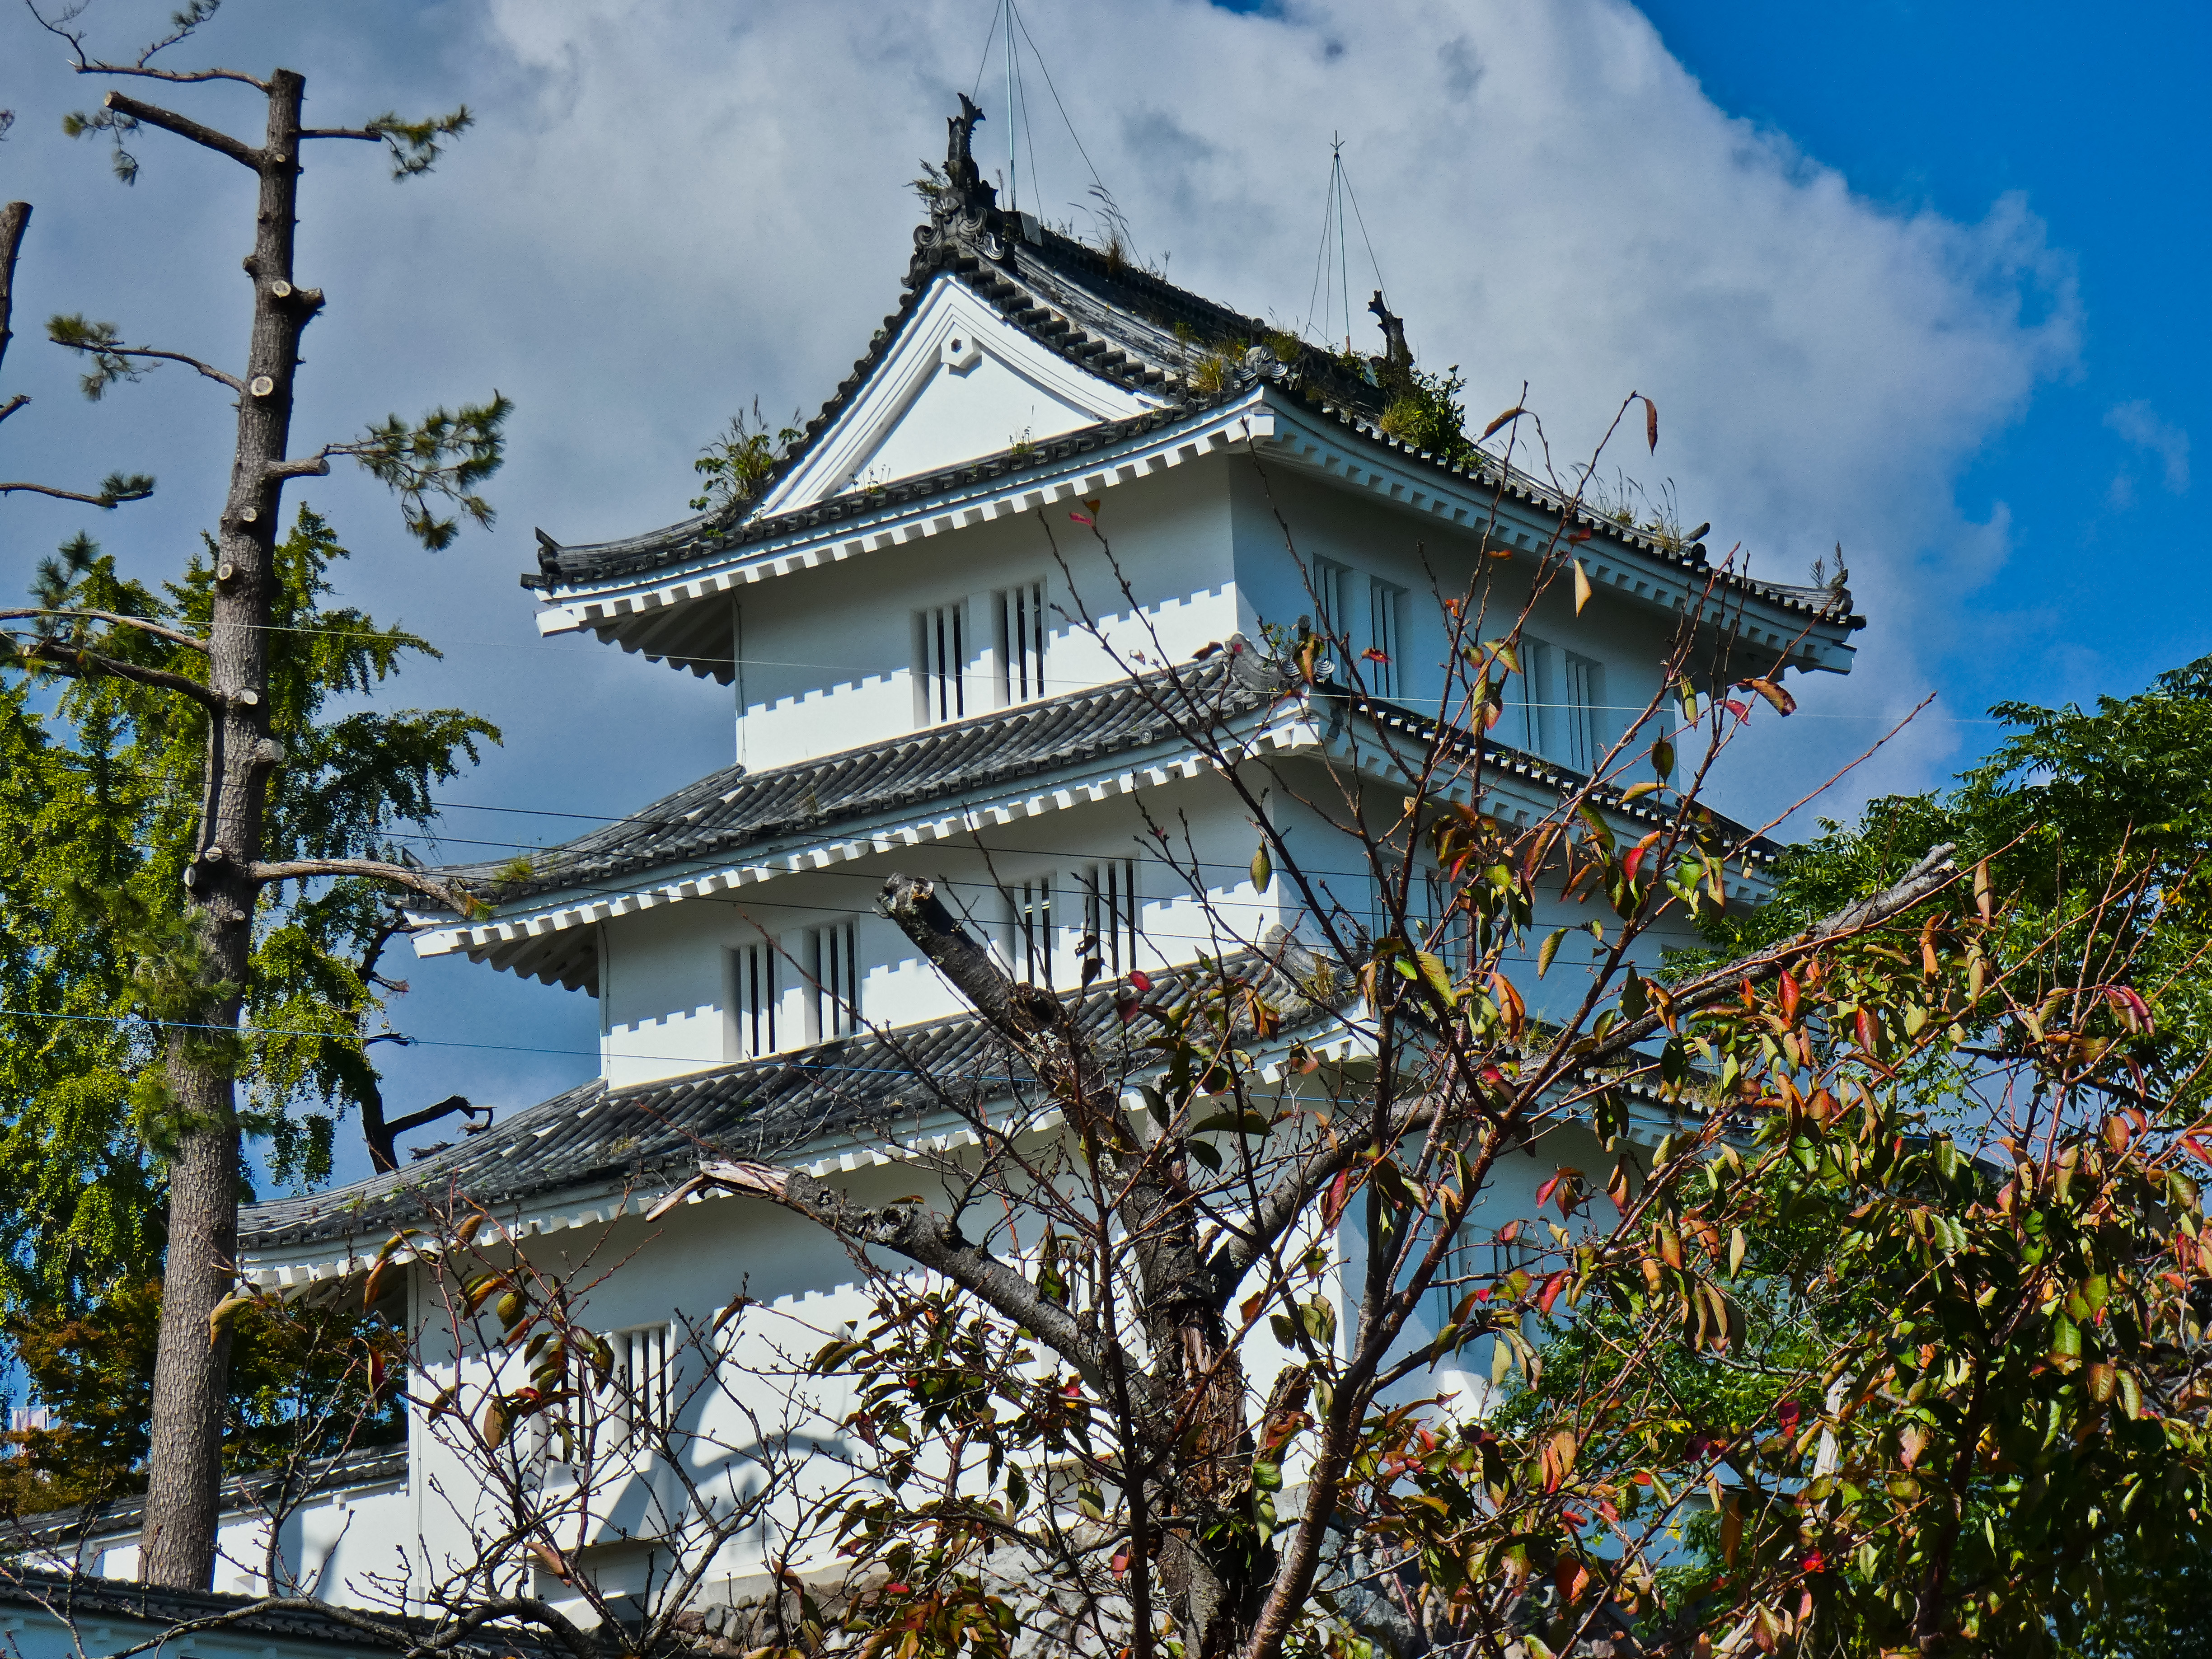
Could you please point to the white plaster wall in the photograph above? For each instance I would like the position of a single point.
(1432, 563)
(325, 1543)
(670, 1002)
(828, 654)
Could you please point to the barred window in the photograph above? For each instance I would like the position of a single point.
(1385, 615)
(940, 664)
(835, 970)
(1029, 904)
(757, 995)
(1109, 912)
(1021, 644)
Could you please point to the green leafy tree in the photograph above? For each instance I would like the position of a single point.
(306, 1383)
(105, 784)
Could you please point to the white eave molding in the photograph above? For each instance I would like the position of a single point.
(604, 608)
(1290, 730)
(1266, 420)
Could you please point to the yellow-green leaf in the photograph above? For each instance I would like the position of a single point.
(1582, 588)
(1548, 948)
(1263, 870)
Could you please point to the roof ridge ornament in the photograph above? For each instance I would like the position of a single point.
(963, 208)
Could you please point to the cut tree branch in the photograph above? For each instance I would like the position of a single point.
(160, 630)
(154, 115)
(454, 898)
(307, 467)
(79, 663)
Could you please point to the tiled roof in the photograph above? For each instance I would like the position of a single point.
(1118, 321)
(732, 809)
(595, 1137)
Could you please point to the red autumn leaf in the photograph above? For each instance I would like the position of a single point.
(1127, 1007)
(1206, 651)
(1740, 710)
(1651, 424)
(1550, 1293)
(898, 1589)
(1371, 654)
(1864, 1021)
(1140, 982)
(1080, 518)
(1815, 1562)
(1789, 997)
(1333, 1201)
(1120, 1562)
(1787, 1414)
(1544, 1193)
(1582, 535)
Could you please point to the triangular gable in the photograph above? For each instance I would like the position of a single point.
(959, 383)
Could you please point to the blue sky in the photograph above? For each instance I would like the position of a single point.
(2097, 123)
(1924, 280)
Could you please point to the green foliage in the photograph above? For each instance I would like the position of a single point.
(446, 454)
(413, 145)
(99, 342)
(100, 787)
(740, 459)
(305, 1381)
(1424, 413)
(2066, 799)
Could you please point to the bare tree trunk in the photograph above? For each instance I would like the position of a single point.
(191, 1367)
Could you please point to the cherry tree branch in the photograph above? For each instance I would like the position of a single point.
(927, 1240)
(1283, 1204)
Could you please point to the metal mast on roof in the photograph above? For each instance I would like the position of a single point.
(1006, 20)
(1331, 295)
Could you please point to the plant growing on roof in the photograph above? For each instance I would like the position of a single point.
(739, 459)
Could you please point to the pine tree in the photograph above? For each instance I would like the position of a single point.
(198, 960)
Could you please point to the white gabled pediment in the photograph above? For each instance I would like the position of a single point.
(960, 383)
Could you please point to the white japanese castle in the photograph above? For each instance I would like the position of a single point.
(939, 630)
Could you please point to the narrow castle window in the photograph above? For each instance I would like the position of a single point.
(835, 969)
(1021, 644)
(940, 656)
(1109, 912)
(1385, 615)
(1029, 903)
(757, 994)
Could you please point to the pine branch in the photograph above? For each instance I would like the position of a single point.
(452, 897)
(113, 361)
(162, 630)
(116, 488)
(77, 663)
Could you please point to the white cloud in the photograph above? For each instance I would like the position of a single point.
(668, 208)
(2139, 424)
